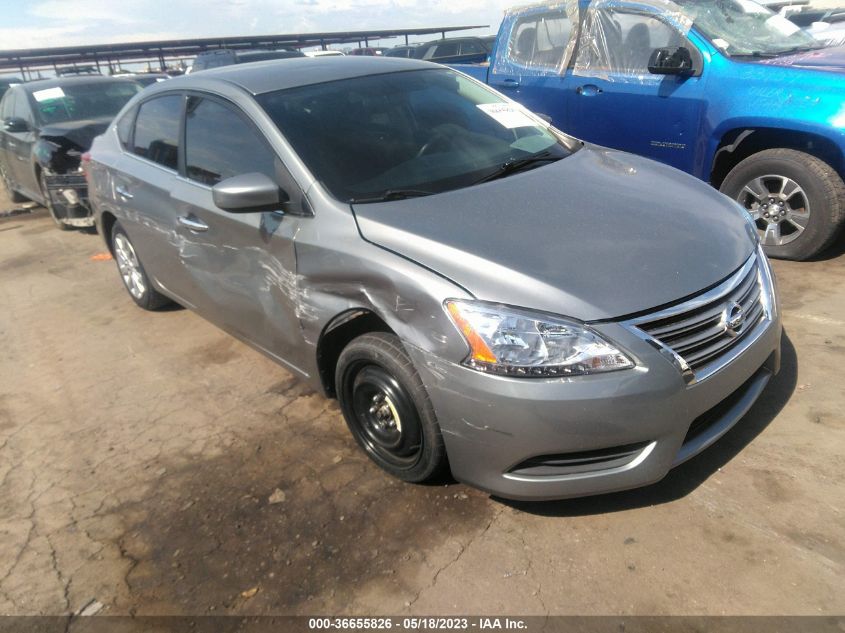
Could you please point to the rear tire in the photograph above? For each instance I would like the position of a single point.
(388, 410)
(14, 196)
(135, 278)
(796, 200)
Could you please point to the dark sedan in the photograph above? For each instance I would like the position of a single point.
(46, 128)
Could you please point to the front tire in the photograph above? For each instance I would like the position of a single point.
(796, 200)
(132, 272)
(388, 410)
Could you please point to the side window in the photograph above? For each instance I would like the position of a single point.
(21, 108)
(449, 49)
(8, 105)
(220, 143)
(157, 130)
(540, 41)
(124, 127)
(621, 42)
(471, 47)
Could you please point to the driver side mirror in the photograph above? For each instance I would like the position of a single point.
(671, 61)
(15, 125)
(248, 193)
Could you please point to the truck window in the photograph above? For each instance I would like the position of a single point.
(540, 42)
(620, 43)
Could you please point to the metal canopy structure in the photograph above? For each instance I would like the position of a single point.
(109, 55)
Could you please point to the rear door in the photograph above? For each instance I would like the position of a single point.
(243, 265)
(5, 138)
(142, 182)
(616, 102)
(532, 57)
(20, 145)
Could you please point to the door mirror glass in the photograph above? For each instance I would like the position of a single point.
(248, 193)
(15, 125)
(671, 61)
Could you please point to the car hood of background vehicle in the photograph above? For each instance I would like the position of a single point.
(598, 235)
(831, 59)
(79, 134)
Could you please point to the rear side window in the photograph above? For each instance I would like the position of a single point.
(8, 107)
(220, 143)
(157, 130)
(541, 41)
(124, 127)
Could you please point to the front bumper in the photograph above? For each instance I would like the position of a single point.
(69, 196)
(551, 439)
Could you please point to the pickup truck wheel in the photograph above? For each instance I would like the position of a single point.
(48, 202)
(796, 200)
(14, 196)
(133, 274)
(387, 408)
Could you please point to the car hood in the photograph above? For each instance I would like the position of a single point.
(831, 59)
(75, 134)
(598, 235)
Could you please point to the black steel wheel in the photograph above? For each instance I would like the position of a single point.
(387, 409)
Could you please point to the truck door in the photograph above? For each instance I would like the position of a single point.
(533, 51)
(616, 102)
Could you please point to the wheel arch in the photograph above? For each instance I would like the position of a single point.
(737, 144)
(107, 222)
(337, 334)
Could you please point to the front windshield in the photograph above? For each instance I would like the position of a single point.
(425, 130)
(80, 101)
(743, 27)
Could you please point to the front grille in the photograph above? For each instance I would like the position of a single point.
(705, 328)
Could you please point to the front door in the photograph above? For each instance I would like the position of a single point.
(616, 102)
(242, 264)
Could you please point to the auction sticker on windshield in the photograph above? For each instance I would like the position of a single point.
(49, 93)
(507, 115)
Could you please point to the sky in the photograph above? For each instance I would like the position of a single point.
(40, 23)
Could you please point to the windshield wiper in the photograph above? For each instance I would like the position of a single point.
(516, 164)
(798, 49)
(393, 194)
(757, 54)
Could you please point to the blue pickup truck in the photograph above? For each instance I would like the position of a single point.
(725, 90)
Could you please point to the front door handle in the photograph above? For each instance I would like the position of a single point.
(123, 193)
(510, 83)
(588, 90)
(192, 223)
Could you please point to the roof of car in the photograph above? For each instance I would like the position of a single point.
(42, 84)
(268, 76)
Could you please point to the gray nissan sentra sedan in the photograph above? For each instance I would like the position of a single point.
(480, 291)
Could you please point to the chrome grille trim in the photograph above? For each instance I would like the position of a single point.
(694, 334)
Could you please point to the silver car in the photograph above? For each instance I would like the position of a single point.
(481, 292)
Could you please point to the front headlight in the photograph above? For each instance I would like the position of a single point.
(514, 342)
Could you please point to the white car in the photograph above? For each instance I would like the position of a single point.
(323, 53)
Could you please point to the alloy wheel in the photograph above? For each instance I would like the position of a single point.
(129, 266)
(779, 207)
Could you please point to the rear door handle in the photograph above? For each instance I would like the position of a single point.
(123, 193)
(588, 90)
(510, 83)
(192, 223)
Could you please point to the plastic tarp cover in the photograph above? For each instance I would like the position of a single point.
(617, 38)
(541, 39)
